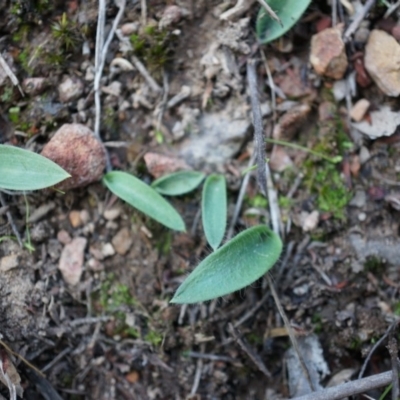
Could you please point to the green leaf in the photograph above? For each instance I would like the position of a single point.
(213, 209)
(178, 183)
(25, 170)
(144, 198)
(238, 263)
(288, 11)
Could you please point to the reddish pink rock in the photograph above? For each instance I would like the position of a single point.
(74, 148)
(328, 53)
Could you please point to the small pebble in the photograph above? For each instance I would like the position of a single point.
(95, 265)
(358, 111)
(362, 217)
(359, 200)
(64, 237)
(129, 28)
(71, 260)
(122, 241)
(107, 250)
(71, 89)
(112, 213)
(9, 262)
(75, 218)
(85, 216)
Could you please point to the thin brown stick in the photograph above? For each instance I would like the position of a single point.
(11, 220)
(376, 345)
(25, 361)
(393, 351)
(247, 349)
(351, 388)
(259, 142)
(292, 336)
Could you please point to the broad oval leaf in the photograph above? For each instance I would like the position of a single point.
(288, 11)
(22, 169)
(214, 209)
(144, 198)
(178, 183)
(238, 263)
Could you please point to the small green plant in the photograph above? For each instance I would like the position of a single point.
(65, 32)
(153, 46)
(227, 268)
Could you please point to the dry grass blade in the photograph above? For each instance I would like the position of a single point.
(269, 10)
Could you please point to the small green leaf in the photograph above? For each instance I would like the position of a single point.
(22, 169)
(213, 209)
(288, 11)
(144, 198)
(238, 263)
(178, 183)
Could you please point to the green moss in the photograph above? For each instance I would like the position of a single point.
(153, 46)
(65, 32)
(373, 264)
(317, 322)
(153, 337)
(258, 201)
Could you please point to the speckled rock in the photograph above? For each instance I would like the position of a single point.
(328, 53)
(382, 61)
(70, 89)
(75, 149)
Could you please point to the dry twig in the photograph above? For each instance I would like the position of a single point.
(376, 345)
(10, 220)
(100, 58)
(358, 19)
(247, 349)
(351, 388)
(393, 351)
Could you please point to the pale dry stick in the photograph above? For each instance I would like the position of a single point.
(56, 359)
(271, 83)
(246, 348)
(376, 345)
(358, 19)
(211, 357)
(334, 12)
(251, 312)
(269, 10)
(291, 334)
(143, 71)
(393, 351)
(10, 74)
(11, 221)
(100, 58)
(89, 320)
(259, 142)
(391, 9)
(352, 388)
(163, 105)
(240, 198)
(143, 4)
(197, 376)
(263, 172)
